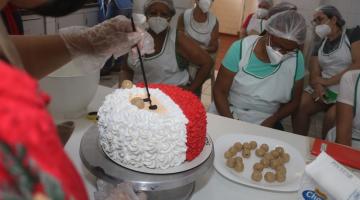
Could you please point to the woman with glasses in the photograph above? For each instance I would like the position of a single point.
(338, 52)
(261, 77)
(166, 65)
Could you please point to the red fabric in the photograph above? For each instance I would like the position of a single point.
(8, 11)
(24, 120)
(247, 21)
(194, 111)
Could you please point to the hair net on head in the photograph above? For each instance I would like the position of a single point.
(289, 25)
(331, 11)
(169, 3)
(281, 7)
(267, 1)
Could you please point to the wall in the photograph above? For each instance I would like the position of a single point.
(230, 14)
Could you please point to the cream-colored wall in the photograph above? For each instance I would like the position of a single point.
(230, 14)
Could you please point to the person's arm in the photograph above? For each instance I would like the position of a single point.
(355, 53)
(243, 32)
(286, 109)
(41, 55)
(315, 76)
(214, 42)
(126, 73)
(344, 123)
(221, 90)
(196, 55)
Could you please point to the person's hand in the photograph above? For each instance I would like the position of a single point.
(319, 81)
(269, 122)
(319, 92)
(146, 46)
(123, 191)
(114, 37)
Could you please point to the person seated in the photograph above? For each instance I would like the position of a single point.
(338, 52)
(347, 131)
(255, 22)
(261, 77)
(166, 65)
(202, 26)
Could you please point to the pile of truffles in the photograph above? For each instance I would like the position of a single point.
(273, 162)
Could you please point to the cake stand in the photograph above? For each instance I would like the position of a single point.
(178, 186)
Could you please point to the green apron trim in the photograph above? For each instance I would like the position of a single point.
(296, 69)
(253, 75)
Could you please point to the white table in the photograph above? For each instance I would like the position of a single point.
(214, 186)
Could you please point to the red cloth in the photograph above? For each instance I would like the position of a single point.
(25, 121)
(8, 11)
(194, 112)
(247, 21)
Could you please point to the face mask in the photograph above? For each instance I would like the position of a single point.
(158, 24)
(275, 56)
(205, 5)
(322, 30)
(57, 8)
(262, 13)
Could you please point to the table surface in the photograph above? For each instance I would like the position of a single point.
(213, 186)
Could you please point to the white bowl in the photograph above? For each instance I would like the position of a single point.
(71, 89)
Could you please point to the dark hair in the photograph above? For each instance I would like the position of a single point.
(331, 11)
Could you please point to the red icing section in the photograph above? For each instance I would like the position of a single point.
(194, 111)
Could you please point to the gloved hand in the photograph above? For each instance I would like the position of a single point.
(147, 46)
(114, 37)
(123, 191)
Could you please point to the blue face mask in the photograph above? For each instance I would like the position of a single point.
(57, 8)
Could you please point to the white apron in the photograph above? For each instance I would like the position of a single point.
(254, 99)
(256, 24)
(331, 136)
(335, 62)
(163, 67)
(200, 32)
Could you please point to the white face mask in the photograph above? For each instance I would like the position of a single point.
(205, 5)
(322, 30)
(158, 24)
(275, 56)
(262, 13)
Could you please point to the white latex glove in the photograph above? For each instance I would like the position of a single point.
(123, 191)
(114, 37)
(146, 45)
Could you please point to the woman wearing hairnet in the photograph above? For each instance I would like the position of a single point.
(166, 64)
(33, 162)
(255, 22)
(338, 52)
(261, 77)
(202, 26)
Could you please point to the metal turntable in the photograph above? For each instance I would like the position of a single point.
(177, 186)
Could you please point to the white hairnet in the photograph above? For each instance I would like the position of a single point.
(267, 1)
(169, 3)
(281, 7)
(289, 25)
(331, 11)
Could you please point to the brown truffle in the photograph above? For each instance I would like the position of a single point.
(270, 177)
(253, 145)
(256, 176)
(260, 152)
(231, 162)
(258, 167)
(138, 102)
(265, 147)
(239, 167)
(246, 153)
(238, 146)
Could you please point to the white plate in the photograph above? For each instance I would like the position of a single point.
(204, 155)
(295, 167)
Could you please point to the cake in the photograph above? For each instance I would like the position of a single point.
(132, 134)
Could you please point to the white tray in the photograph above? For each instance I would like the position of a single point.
(295, 167)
